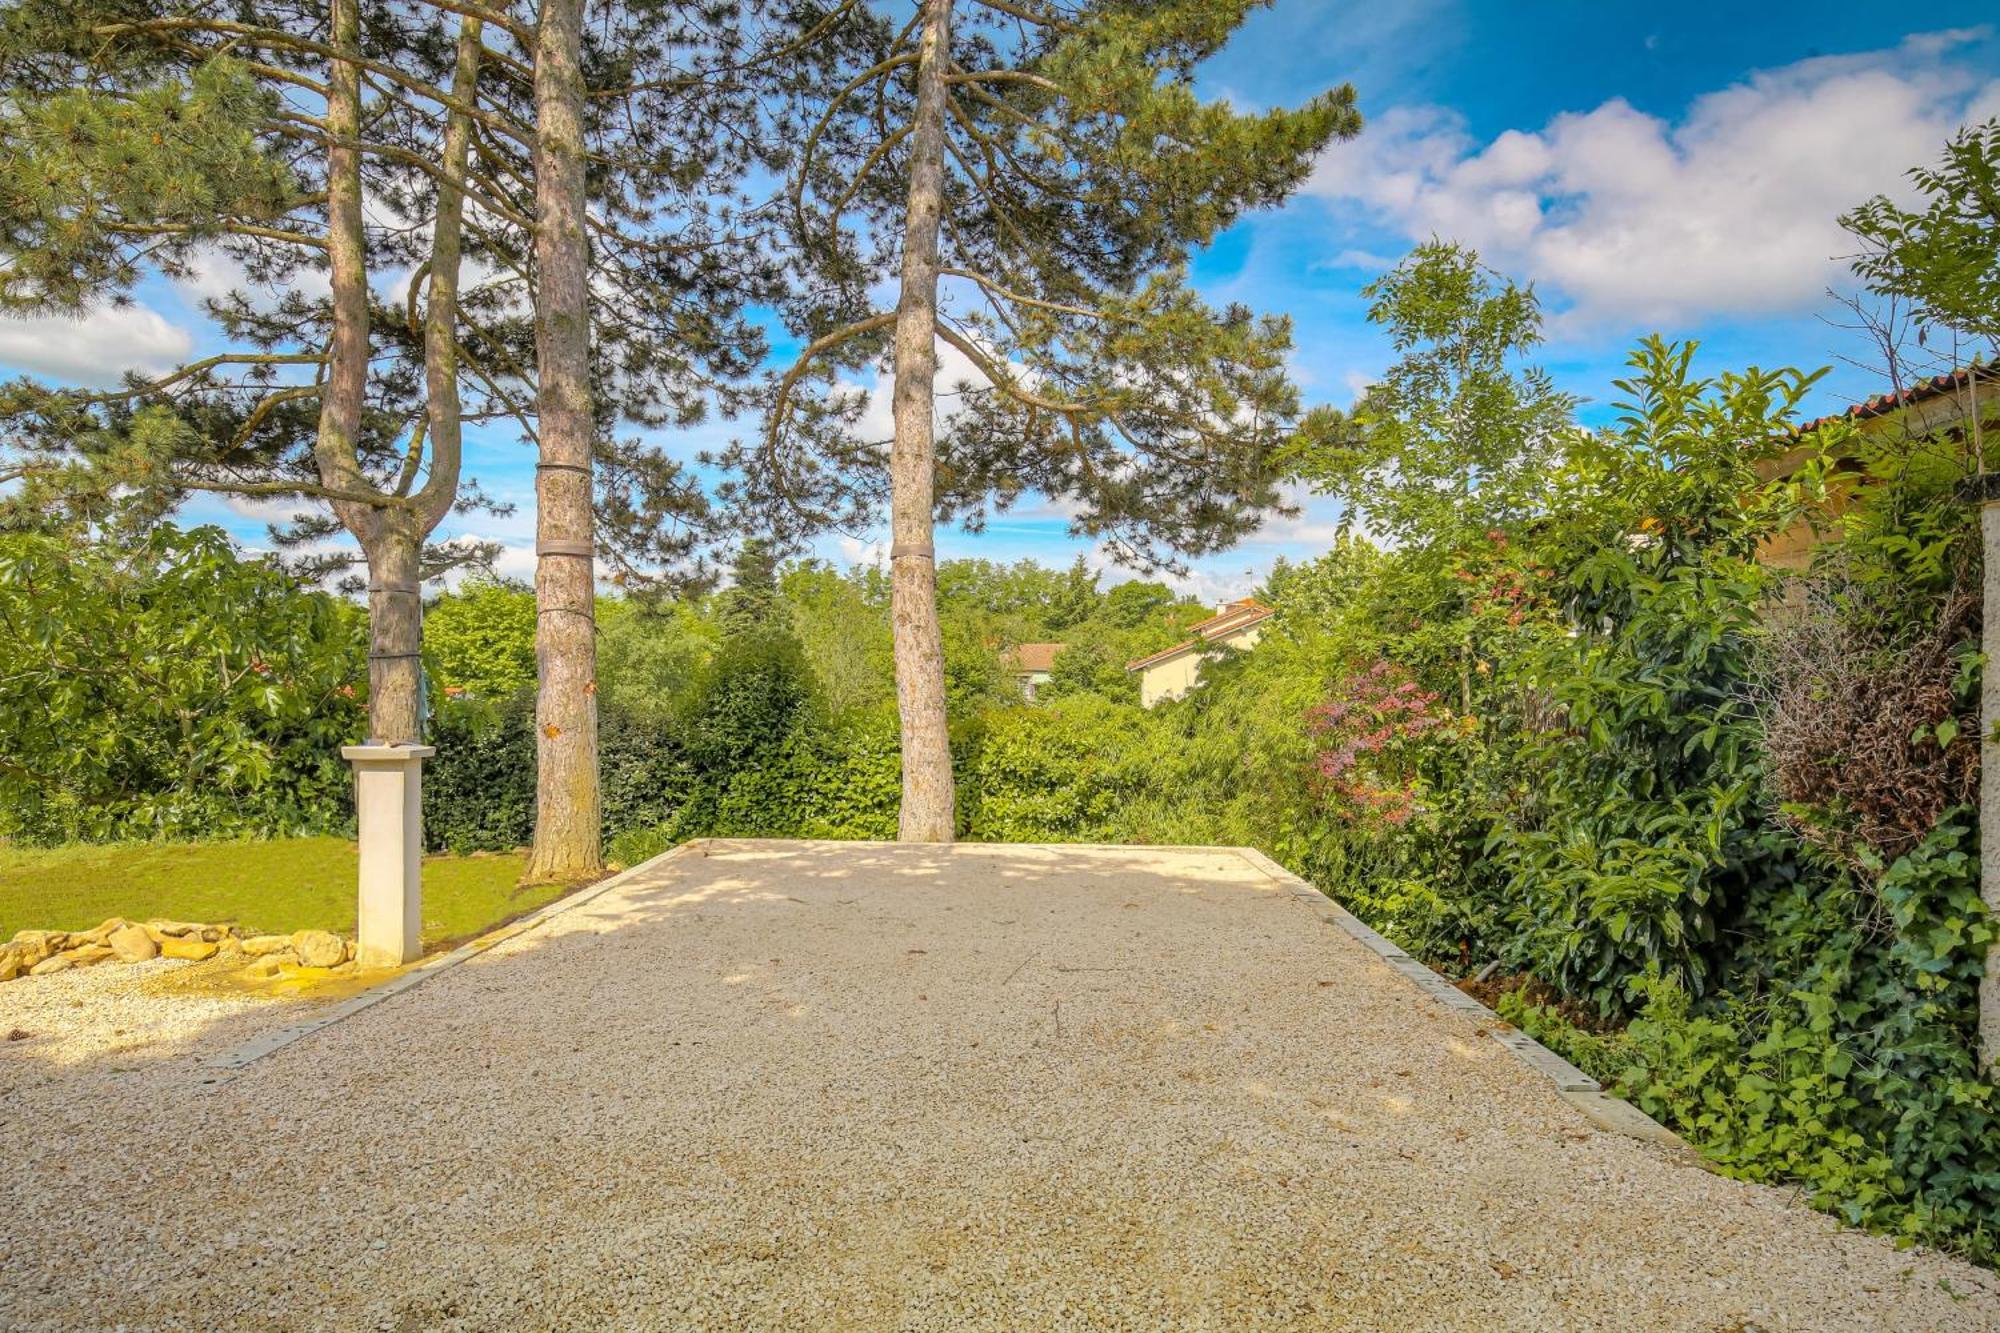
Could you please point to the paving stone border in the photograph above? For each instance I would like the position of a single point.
(1579, 1089)
(224, 1068)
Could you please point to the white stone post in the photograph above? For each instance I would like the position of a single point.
(389, 810)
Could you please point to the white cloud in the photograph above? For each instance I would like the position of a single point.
(513, 562)
(874, 554)
(878, 418)
(97, 348)
(216, 274)
(1730, 210)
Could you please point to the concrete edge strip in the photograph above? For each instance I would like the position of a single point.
(1579, 1089)
(225, 1067)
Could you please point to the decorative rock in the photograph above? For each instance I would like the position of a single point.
(133, 945)
(320, 948)
(61, 962)
(265, 968)
(175, 946)
(259, 945)
(87, 955)
(101, 933)
(11, 964)
(35, 945)
(156, 928)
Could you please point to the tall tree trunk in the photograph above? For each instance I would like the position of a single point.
(395, 630)
(393, 540)
(568, 839)
(440, 329)
(927, 813)
(390, 550)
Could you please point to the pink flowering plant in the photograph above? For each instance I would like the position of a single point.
(1365, 766)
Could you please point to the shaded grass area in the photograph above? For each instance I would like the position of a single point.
(278, 886)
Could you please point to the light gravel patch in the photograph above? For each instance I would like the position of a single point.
(861, 1086)
(116, 1030)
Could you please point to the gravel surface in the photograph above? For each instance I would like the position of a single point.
(804, 1086)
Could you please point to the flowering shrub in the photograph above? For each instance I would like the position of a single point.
(1363, 767)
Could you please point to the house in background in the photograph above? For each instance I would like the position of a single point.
(1030, 665)
(1172, 672)
(1953, 408)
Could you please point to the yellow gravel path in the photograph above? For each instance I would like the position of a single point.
(806, 1086)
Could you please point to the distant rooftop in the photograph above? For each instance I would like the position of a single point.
(1240, 614)
(1026, 657)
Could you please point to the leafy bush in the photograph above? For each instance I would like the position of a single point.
(169, 688)
(479, 789)
(1058, 773)
(480, 639)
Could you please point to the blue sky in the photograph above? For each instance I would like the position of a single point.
(1650, 168)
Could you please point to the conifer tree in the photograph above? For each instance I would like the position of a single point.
(1032, 178)
(139, 143)
(668, 121)
(645, 255)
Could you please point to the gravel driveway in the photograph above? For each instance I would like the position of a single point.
(808, 1085)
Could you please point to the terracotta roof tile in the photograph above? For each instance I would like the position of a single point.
(1240, 615)
(1032, 656)
(1923, 391)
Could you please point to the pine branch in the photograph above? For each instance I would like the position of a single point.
(1005, 76)
(264, 408)
(1008, 385)
(1018, 298)
(190, 370)
(839, 99)
(781, 402)
(1053, 22)
(226, 228)
(273, 37)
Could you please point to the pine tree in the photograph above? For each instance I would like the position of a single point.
(1033, 179)
(669, 122)
(133, 145)
(644, 258)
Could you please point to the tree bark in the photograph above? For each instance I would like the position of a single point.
(394, 608)
(395, 631)
(927, 810)
(441, 401)
(568, 836)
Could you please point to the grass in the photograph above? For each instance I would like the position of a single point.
(278, 886)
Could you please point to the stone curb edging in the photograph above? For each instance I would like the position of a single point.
(1586, 1094)
(224, 1068)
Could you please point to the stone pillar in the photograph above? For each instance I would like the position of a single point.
(1989, 777)
(389, 810)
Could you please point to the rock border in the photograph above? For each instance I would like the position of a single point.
(224, 1068)
(1612, 1114)
(41, 953)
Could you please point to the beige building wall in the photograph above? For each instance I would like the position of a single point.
(1930, 414)
(1165, 681)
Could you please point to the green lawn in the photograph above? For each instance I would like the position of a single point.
(277, 887)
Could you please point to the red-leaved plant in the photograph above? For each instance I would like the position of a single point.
(1363, 766)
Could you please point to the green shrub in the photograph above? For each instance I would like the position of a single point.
(169, 688)
(479, 789)
(480, 639)
(1058, 773)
